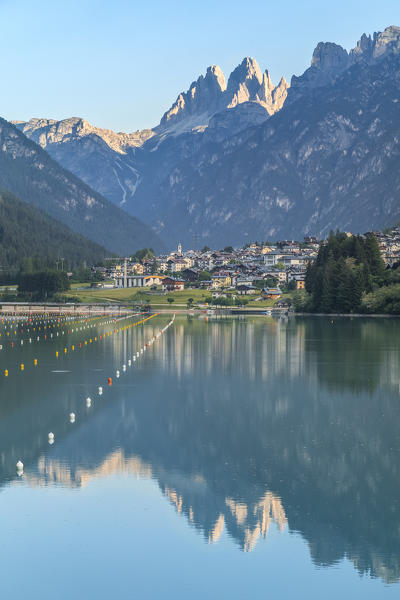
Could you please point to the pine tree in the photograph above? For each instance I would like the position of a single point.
(373, 256)
(356, 289)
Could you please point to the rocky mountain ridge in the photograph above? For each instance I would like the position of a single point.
(28, 172)
(328, 160)
(118, 164)
(329, 60)
(211, 94)
(49, 131)
(217, 168)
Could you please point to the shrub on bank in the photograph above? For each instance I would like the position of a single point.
(384, 300)
(302, 301)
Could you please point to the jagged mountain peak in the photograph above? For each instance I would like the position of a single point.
(210, 94)
(370, 48)
(329, 56)
(386, 41)
(329, 60)
(248, 69)
(50, 131)
(217, 152)
(244, 82)
(202, 98)
(270, 97)
(217, 74)
(267, 81)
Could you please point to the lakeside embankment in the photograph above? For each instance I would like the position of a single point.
(116, 309)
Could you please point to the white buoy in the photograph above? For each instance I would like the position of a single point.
(51, 436)
(72, 417)
(20, 466)
(88, 402)
(124, 368)
(117, 374)
(129, 362)
(100, 391)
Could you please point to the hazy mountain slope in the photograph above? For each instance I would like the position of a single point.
(118, 165)
(26, 231)
(234, 161)
(103, 159)
(328, 159)
(28, 171)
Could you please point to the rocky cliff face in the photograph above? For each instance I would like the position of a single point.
(119, 164)
(330, 60)
(203, 98)
(48, 131)
(211, 94)
(243, 159)
(27, 171)
(327, 160)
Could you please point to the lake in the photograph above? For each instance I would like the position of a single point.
(248, 457)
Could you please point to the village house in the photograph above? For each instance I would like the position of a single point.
(133, 281)
(310, 239)
(170, 284)
(299, 276)
(137, 269)
(267, 249)
(163, 264)
(276, 274)
(189, 262)
(246, 290)
(220, 281)
(271, 293)
(288, 260)
(283, 303)
(300, 282)
(190, 274)
(176, 265)
(244, 280)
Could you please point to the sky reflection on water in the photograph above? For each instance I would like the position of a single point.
(239, 456)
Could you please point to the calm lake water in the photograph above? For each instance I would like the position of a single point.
(236, 458)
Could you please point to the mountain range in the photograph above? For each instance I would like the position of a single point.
(241, 159)
(28, 172)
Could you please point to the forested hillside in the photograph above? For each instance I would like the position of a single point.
(28, 172)
(345, 267)
(28, 234)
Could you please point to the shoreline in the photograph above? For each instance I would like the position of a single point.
(15, 308)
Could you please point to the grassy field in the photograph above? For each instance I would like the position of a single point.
(137, 296)
(84, 293)
(127, 295)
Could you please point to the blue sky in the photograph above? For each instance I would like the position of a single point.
(121, 63)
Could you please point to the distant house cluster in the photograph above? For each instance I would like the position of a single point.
(389, 244)
(262, 271)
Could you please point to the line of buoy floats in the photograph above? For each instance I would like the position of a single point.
(135, 356)
(67, 328)
(84, 343)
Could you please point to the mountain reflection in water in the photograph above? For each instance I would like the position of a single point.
(243, 423)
